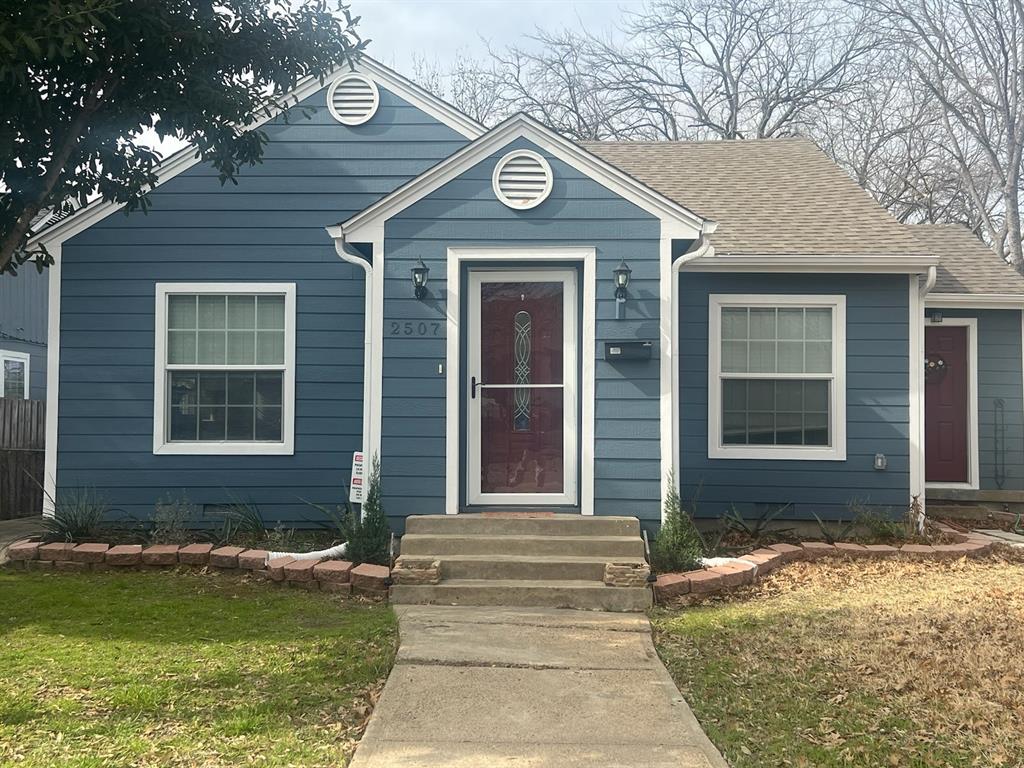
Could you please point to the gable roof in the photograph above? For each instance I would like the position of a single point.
(516, 127)
(61, 229)
(966, 264)
(781, 197)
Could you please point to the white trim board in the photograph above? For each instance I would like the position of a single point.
(569, 386)
(523, 127)
(453, 372)
(52, 382)
(973, 455)
(163, 446)
(836, 450)
(817, 263)
(974, 301)
(185, 158)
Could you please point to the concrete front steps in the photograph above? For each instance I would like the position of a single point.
(532, 561)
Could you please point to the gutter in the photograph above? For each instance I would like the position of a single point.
(347, 253)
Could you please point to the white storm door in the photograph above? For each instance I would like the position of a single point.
(522, 387)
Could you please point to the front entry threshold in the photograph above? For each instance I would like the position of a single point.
(519, 511)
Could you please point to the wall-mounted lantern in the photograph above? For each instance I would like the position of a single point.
(622, 273)
(420, 274)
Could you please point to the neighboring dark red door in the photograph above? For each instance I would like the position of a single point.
(945, 404)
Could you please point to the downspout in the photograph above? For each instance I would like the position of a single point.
(700, 248)
(917, 370)
(347, 253)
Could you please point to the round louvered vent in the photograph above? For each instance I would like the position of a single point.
(522, 179)
(353, 99)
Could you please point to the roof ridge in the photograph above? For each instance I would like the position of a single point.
(692, 142)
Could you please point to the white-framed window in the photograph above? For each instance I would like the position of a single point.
(777, 377)
(225, 368)
(14, 369)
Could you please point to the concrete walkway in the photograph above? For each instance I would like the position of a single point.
(15, 530)
(530, 688)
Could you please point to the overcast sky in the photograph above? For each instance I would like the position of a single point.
(438, 29)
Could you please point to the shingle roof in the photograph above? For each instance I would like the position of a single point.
(769, 196)
(966, 264)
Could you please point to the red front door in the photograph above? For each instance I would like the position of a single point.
(945, 404)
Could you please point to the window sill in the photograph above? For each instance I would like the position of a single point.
(768, 453)
(224, 449)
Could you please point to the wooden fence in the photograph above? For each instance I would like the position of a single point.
(22, 455)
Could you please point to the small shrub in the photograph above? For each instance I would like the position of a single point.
(78, 515)
(172, 521)
(368, 535)
(280, 539)
(756, 531)
(877, 524)
(241, 524)
(678, 546)
(835, 531)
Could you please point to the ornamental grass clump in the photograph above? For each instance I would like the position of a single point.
(79, 514)
(678, 545)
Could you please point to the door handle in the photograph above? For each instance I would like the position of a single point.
(473, 384)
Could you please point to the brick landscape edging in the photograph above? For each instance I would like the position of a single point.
(337, 576)
(750, 567)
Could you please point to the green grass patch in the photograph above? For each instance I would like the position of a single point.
(148, 669)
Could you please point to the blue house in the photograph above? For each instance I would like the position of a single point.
(511, 320)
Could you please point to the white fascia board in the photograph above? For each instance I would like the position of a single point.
(975, 301)
(521, 126)
(830, 263)
(185, 158)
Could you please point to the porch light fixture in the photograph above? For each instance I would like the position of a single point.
(622, 273)
(420, 273)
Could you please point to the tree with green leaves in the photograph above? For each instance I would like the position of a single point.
(82, 81)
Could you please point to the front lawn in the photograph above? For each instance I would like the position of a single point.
(859, 664)
(159, 669)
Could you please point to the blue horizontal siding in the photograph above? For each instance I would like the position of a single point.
(999, 378)
(23, 302)
(877, 404)
(579, 212)
(267, 228)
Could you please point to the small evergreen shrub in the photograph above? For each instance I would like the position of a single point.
(678, 545)
(369, 535)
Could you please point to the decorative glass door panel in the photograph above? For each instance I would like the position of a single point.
(522, 387)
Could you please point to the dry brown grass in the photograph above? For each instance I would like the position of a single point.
(879, 663)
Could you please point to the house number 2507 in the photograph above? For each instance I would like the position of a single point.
(409, 328)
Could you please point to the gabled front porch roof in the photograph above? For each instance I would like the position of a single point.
(363, 226)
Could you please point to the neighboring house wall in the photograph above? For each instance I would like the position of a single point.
(267, 228)
(877, 404)
(463, 213)
(1001, 451)
(23, 322)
